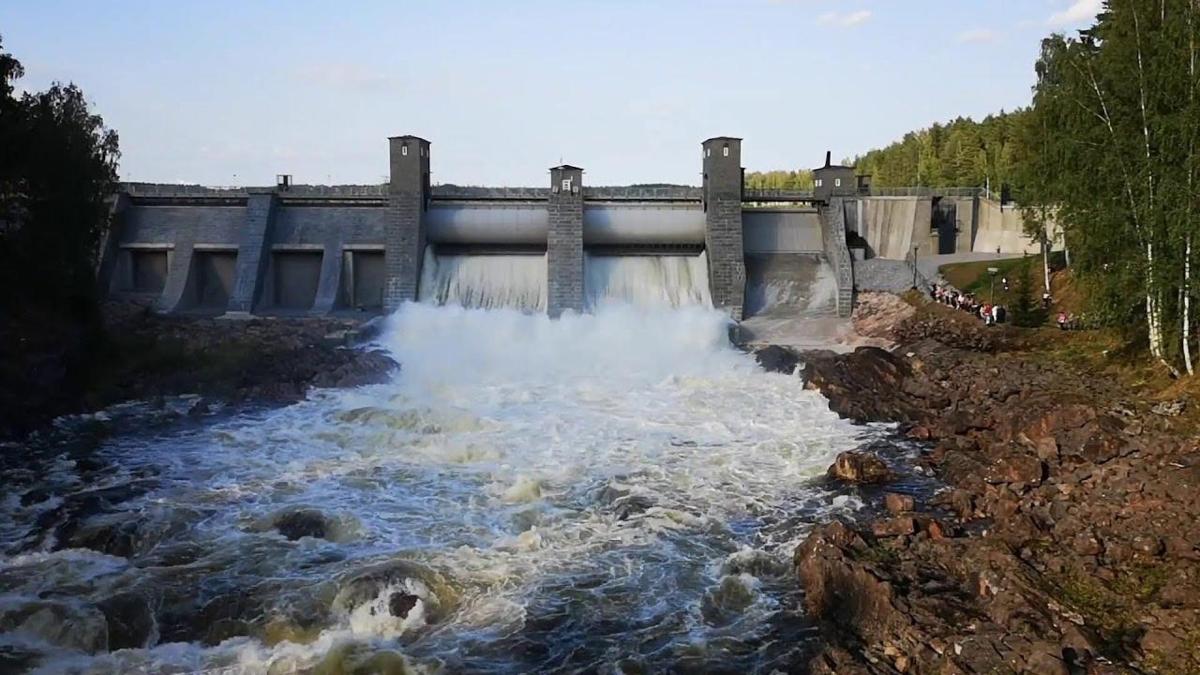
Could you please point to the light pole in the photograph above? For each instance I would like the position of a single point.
(915, 249)
(992, 293)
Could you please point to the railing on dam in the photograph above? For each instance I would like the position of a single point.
(481, 193)
(780, 195)
(446, 192)
(777, 195)
(922, 191)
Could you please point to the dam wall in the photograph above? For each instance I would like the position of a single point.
(1001, 228)
(893, 227)
(305, 249)
(298, 249)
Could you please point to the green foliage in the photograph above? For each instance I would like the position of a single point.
(801, 179)
(57, 173)
(1112, 148)
(960, 153)
(1027, 311)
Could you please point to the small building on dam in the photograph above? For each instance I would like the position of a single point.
(300, 250)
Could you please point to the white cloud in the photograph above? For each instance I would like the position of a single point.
(844, 19)
(977, 36)
(1080, 11)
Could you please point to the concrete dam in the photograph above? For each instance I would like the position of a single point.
(299, 250)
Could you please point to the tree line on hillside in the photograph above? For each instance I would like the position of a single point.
(800, 179)
(58, 171)
(961, 153)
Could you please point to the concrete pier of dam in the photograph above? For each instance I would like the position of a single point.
(304, 250)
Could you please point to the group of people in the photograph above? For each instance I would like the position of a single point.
(989, 313)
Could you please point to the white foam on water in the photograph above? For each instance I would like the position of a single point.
(659, 281)
(484, 281)
(513, 455)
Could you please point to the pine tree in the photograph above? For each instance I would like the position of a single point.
(1028, 311)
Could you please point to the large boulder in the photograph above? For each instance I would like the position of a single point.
(776, 359)
(866, 385)
(860, 467)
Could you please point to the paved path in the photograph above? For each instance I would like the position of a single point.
(929, 264)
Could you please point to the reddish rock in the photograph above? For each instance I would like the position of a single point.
(894, 527)
(1054, 476)
(839, 589)
(859, 467)
(1157, 641)
(897, 503)
(1015, 467)
(935, 530)
(919, 432)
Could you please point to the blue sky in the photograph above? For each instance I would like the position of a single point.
(225, 92)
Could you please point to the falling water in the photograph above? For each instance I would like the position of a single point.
(610, 491)
(658, 281)
(484, 281)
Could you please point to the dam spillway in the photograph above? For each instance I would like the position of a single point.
(294, 250)
(300, 250)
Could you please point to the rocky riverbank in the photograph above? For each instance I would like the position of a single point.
(144, 356)
(1067, 539)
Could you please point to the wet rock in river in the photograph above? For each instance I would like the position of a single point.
(624, 502)
(860, 467)
(732, 596)
(67, 626)
(131, 623)
(776, 359)
(303, 523)
(400, 604)
(394, 587)
(116, 535)
(755, 562)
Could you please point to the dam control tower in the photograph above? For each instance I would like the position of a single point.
(722, 202)
(404, 229)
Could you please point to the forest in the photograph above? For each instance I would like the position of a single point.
(961, 153)
(1110, 146)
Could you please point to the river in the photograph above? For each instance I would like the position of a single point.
(609, 492)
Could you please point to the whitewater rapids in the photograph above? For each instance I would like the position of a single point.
(602, 492)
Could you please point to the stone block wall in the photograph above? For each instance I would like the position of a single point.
(404, 232)
(564, 241)
(833, 230)
(723, 223)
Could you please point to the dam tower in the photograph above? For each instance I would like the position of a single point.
(564, 241)
(722, 203)
(404, 227)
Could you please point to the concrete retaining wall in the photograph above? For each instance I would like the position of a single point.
(892, 226)
(1001, 229)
